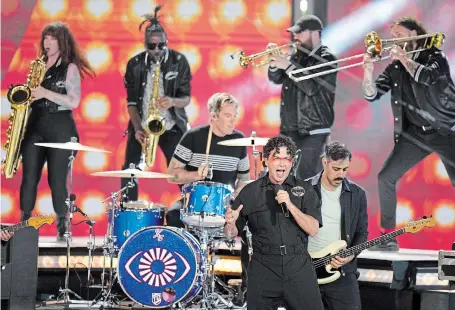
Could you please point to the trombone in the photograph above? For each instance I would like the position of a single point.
(375, 47)
(255, 59)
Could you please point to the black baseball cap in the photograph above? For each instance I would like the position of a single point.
(306, 22)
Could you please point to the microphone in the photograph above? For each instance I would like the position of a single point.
(283, 205)
(76, 208)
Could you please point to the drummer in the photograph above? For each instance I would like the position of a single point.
(226, 164)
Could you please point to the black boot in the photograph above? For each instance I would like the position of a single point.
(62, 226)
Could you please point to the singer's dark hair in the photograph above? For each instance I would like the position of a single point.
(336, 151)
(279, 141)
(153, 23)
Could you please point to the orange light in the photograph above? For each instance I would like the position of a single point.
(53, 8)
(92, 205)
(221, 65)
(270, 113)
(360, 165)
(227, 15)
(405, 211)
(444, 213)
(192, 110)
(99, 55)
(96, 107)
(434, 171)
(98, 9)
(7, 205)
(192, 54)
(127, 54)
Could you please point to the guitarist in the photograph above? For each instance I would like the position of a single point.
(344, 214)
(5, 235)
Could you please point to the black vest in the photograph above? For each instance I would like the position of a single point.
(54, 80)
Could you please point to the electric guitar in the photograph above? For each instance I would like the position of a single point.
(36, 222)
(322, 258)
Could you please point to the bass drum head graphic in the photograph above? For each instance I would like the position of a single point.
(158, 266)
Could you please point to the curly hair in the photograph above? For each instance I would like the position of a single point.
(279, 141)
(336, 151)
(411, 23)
(70, 51)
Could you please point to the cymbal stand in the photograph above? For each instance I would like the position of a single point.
(63, 297)
(109, 248)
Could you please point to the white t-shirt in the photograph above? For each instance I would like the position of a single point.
(331, 220)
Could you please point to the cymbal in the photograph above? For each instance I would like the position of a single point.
(75, 146)
(132, 173)
(250, 141)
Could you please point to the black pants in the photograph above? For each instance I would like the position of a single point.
(343, 294)
(267, 290)
(46, 127)
(244, 259)
(312, 147)
(407, 152)
(167, 142)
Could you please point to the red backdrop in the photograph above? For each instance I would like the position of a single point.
(207, 32)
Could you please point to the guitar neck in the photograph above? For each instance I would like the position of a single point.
(363, 246)
(15, 227)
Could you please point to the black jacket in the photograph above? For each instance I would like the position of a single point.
(354, 216)
(310, 100)
(433, 89)
(177, 77)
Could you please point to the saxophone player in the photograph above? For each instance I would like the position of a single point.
(174, 94)
(51, 120)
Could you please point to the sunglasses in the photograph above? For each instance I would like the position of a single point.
(152, 46)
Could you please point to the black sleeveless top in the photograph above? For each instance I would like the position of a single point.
(54, 80)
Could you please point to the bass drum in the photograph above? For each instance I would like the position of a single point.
(159, 266)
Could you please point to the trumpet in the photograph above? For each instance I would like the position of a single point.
(255, 59)
(375, 47)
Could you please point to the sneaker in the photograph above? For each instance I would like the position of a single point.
(389, 245)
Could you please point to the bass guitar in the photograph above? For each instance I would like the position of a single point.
(322, 258)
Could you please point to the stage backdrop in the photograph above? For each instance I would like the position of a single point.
(207, 32)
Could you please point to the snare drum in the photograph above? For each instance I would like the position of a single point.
(159, 266)
(205, 203)
(134, 216)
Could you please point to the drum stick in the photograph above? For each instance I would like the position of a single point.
(209, 141)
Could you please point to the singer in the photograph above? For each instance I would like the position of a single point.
(280, 211)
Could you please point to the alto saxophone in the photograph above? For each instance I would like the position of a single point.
(20, 97)
(154, 124)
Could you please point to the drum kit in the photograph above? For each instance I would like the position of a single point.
(159, 266)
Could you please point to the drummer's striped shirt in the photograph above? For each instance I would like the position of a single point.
(227, 161)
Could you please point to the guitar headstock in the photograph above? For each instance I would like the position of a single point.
(415, 226)
(38, 221)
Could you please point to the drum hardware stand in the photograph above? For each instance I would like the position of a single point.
(255, 155)
(63, 297)
(109, 249)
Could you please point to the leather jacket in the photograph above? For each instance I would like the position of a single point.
(311, 101)
(432, 87)
(177, 77)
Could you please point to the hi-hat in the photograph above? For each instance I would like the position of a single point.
(75, 146)
(132, 173)
(250, 141)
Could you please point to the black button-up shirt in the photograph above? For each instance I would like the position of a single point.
(278, 241)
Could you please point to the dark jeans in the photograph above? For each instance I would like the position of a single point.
(343, 294)
(312, 147)
(406, 153)
(46, 127)
(167, 142)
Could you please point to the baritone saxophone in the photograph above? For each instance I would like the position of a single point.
(20, 97)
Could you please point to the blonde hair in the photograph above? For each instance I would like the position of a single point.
(216, 101)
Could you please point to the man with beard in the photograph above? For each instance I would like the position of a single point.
(174, 93)
(423, 106)
(344, 214)
(281, 211)
(306, 112)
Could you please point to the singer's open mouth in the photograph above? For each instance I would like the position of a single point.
(280, 172)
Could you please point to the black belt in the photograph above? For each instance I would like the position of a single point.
(279, 249)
